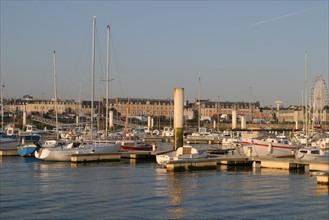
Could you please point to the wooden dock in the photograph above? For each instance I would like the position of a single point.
(153, 139)
(202, 141)
(8, 152)
(138, 154)
(321, 177)
(83, 158)
(291, 164)
(273, 163)
(206, 163)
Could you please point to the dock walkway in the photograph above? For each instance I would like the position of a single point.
(212, 162)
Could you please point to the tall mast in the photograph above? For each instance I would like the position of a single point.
(92, 78)
(107, 78)
(306, 102)
(2, 106)
(55, 94)
(199, 117)
(127, 119)
(1, 96)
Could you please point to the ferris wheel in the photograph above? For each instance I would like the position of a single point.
(319, 97)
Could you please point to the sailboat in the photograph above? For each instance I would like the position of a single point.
(6, 141)
(184, 153)
(26, 146)
(312, 154)
(131, 143)
(63, 153)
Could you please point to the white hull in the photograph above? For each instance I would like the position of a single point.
(182, 153)
(8, 143)
(64, 153)
(163, 159)
(312, 154)
(230, 141)
(269, 149)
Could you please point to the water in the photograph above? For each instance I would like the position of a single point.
(33, 189)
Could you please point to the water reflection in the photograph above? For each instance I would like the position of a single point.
(33, 189)
(322, 188)
(176, 191)
(172, 186)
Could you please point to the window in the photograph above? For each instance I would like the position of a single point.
(315, 152)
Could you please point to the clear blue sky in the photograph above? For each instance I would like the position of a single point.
(241, 50)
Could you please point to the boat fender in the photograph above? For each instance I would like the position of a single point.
(270, 147)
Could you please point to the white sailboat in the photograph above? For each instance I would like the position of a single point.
(63, 153)
(6, 141)
(186, 152)
(270, 147)
(312, 154)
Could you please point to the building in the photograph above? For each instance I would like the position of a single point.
(31, 106)
(158, 108)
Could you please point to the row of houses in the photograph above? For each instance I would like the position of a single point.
(156, 107)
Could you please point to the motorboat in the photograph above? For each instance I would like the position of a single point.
(312, 154)
(8, 143)
(9, 137)
(270, 147)
(55, 143)
(182, 153)
(64, 152)
(204, 134)
(230, 138)
(230, 141)
(133, 145)
(32, 129)
(26, 146)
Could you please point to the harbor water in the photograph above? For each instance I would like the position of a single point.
(34, 189)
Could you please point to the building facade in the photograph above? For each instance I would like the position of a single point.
(157, 108)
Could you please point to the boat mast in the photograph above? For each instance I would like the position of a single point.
(127, 119)
(199, 115)
(306, 108)
(92, 78)
(2, 106)
(1, 97)
(107, 78)
(55, 94)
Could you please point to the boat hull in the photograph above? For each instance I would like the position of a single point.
(8, 143)
(64, 154)
(26, 151)
(312, 154)
(267, 149)
(134, 145)
(182, 153)
(130, 148)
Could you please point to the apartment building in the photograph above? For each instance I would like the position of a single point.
(154, 108)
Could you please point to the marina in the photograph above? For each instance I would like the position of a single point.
(146, 152)
(211, 162)
(121, 189)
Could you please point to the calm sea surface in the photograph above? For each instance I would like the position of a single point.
(33, 189)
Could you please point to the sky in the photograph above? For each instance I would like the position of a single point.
(218, 50)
